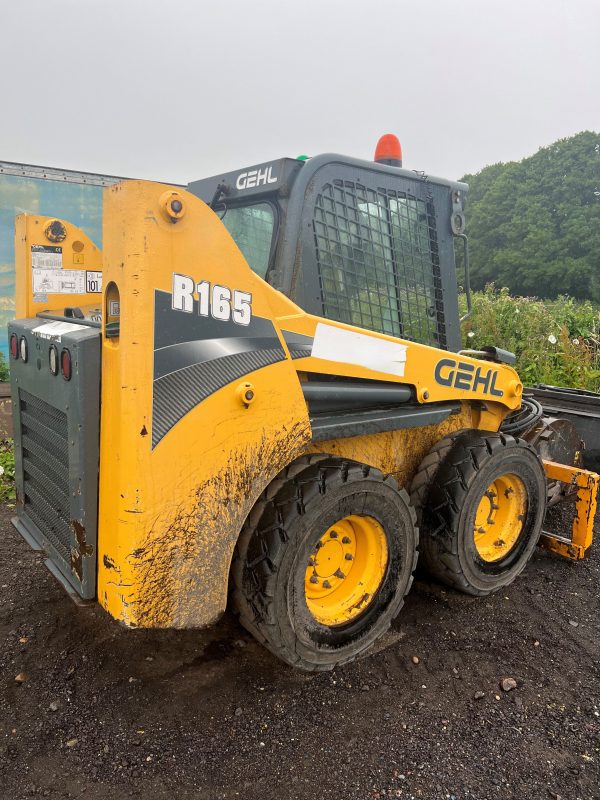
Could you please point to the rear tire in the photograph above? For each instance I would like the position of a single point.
(481, 500)
(272, 564)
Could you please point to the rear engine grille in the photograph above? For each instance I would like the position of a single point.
(45, 451)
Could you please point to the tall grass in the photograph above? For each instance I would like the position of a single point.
(7, 471)
(555, 341)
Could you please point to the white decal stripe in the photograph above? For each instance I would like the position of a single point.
(54, 330)
(350, 347)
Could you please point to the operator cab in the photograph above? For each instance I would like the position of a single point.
(364, 243)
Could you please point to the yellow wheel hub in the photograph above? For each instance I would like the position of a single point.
(345, 570)
(500, 517)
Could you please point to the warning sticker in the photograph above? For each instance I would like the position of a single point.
(54, 330)
(46, 257)
(58, 281)
(93, 281)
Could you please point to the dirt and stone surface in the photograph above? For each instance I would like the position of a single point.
(104, 712)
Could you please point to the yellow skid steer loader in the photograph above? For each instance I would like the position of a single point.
(256, 391)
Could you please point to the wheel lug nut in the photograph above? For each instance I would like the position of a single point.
(348, 556)
(346, 540)
(333, 534)
(311, 562)
(314, 579)
(339, 574)
(326, 585)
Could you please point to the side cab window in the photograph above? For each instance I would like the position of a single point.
(370, 251)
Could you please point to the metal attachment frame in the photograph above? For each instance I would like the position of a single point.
(587, 484)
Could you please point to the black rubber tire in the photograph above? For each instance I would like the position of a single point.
(446, 491)
(273, 549)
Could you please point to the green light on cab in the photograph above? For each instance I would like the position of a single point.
(302, 158)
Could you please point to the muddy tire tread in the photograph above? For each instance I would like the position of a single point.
(288, 495)
(439, 554)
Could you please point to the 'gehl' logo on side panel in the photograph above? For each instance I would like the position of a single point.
(468, 377)
(254, 178)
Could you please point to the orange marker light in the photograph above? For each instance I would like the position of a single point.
(389, 151)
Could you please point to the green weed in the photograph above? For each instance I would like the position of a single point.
(7, 471)
(555, 341)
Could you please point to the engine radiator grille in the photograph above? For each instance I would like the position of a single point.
(45, 453)
(56, 426)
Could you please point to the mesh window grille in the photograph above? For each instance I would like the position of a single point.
(251, 227)
(378, 261)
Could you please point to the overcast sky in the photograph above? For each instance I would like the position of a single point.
(179, 89)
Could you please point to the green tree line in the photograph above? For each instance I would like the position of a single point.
(534, 225)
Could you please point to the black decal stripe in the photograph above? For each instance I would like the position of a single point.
(185, 354)
(195, 356)
(174, 327)
(300, 352)
(177, 393)
(300, 346)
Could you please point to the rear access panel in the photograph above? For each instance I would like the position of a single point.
(56, 426)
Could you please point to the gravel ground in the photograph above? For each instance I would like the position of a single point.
(109, 713)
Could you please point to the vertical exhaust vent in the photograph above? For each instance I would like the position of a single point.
(45, 457)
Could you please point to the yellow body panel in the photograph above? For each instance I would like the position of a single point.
(78, 254)
(399, 452)
(170, 511)
(169, 517)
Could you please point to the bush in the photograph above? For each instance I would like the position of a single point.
(7, 471)
(555, 341)
(4, 371)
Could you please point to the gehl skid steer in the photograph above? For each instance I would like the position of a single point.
(256, 391)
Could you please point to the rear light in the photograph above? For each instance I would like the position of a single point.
(53, 360)
(23, 349)
(14, 345)
(65, 364)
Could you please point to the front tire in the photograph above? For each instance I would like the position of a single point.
(481, 501)
(324, 562)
